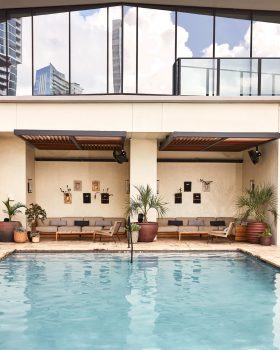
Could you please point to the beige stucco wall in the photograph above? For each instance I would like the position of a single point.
(265, 172)
(142, 117)
(50, 176)
(12, 173)
(220, 201)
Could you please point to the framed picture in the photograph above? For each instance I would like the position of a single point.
(196, 198)
(86, 197)
(187, 186)
(77, 185)
(96, 186)
(29, 185)
(178, 198)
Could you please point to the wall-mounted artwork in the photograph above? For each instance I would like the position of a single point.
(77, 185)
(187, 186)
(105, 198)
(197, 198)
(67, 195)
(205, 185)
(29, 186)
(178, 198)
(87, 197)
(96, 186)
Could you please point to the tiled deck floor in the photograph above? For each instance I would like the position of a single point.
(270, 254)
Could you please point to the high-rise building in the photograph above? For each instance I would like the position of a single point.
(116, 54)
(49, 81)
(9, 59)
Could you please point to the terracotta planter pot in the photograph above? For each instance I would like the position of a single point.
(20, 236)
(240, 233)
(254, 231)
(266, 240)
(7, 230)
(148, 231)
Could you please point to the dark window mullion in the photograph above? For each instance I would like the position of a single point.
(32, 52)
(107, 50)
(137, 46)
(122, 50)
(69, 52)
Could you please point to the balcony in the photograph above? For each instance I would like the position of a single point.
(227, 77)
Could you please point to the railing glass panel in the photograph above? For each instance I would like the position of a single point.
(270, 77)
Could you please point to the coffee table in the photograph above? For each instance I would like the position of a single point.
(68, 233)
(192, 233)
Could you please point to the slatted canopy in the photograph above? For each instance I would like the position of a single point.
(215, 142)
(73, 140)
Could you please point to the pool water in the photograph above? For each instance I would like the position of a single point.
(101, 301)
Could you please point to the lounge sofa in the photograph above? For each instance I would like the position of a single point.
(170, 227)
(78, 224)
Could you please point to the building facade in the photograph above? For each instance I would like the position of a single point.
(186, 91)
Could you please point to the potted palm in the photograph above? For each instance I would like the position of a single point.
(142, 202)
(33, 214)
(7, 227)
(256, 204)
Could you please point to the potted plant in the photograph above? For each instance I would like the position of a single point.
(240, 231)
(142, 202)
(266, 236)
(134, 232)
(20, 235)
(256, 204)
(8, 226)
(34, 213)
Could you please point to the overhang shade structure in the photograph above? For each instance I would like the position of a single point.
(73, 140)
(215, 142)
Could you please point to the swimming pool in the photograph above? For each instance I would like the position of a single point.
(175, 301)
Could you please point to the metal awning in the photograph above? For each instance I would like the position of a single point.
(73, 140)
(215, 142)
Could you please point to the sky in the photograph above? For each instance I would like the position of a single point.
(156, 45)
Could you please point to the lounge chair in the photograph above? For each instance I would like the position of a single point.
(221, 234)
(110, 233)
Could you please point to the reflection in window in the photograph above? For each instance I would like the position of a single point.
(266, 33)
(115, 49)
(233, 32)
(89, 51)
(51, 54)
(270, 76)
(4, 61)
(195, 34)
(129, 50)
(20, 53)
(156, 51)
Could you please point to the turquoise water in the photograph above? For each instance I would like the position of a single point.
(98, 301)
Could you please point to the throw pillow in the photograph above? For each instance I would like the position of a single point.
(218, 223)
(196, 222)
(175, 223)
(81, 223)
(55, 222)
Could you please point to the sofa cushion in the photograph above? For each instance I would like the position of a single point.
(91, 228)
(184, 219)
(196, 222)
(168, 229)
(54, 222)
(164, 221)
(175, 222)
(113, 219)
(70, 220)
(63, 222)
(188, 228)
(46, 228)
(69, 229)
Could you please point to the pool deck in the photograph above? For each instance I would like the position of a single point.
(269, 254)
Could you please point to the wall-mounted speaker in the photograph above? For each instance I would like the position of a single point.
(120, 156)
(254, 155)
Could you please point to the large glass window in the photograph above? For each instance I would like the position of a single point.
(195, 34)
(51, 54)
(233, 33)
(266, 34)
(129, 50)
(89, 51)
(20, 53)
(156, 51)
(4, 63)
(115, 49)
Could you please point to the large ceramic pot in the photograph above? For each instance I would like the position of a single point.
(254, 231)
(240, 233)
(7, 230)
(148, 231)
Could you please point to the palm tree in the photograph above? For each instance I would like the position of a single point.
(257, 202)
(12, 210)
(145, 200)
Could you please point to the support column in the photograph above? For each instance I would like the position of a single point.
(277, 237)
(143, 167)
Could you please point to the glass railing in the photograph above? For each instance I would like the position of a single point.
(227, 77)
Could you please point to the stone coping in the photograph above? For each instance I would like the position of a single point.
(269, 254)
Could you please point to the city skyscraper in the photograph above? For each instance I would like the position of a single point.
(10, 55)
(116, 54)
(49, 81)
